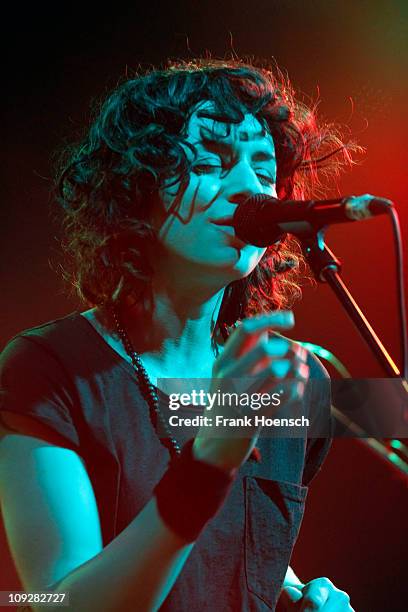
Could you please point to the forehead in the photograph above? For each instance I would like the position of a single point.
(207, 123)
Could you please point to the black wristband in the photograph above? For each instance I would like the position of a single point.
(190, 493)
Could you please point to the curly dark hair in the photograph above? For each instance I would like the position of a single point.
(107, 182)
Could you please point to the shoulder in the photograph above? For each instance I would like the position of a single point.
(37, 393)
(47, 342)
(48, 330)
(317, 369)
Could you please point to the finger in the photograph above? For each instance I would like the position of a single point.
(289, 390)
(258, 357)
(293, 369)
(315, 595)
(299, 371)
(338, 601)
(261, 361)
(289, 596)
(274, 376)
(336, 606)
(248, 333)
(300, 351)
(298, 375)
(296, 354)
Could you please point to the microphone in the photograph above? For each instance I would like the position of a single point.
(262, 220)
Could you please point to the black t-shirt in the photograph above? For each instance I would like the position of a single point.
(65, 376)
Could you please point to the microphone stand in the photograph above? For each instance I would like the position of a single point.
(326, 268)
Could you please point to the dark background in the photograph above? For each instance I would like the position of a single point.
(354, 54)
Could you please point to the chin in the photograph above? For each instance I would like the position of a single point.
(242, 272)
(248, 259)
(238, 268)
(229, 264)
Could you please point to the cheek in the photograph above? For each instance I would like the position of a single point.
(206, 188)
(196, 195)
(181, 206)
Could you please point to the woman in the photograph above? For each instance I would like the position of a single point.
(148, 199)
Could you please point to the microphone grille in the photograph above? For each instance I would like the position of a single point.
(248, 220)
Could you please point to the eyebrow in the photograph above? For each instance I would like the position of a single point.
(220, 118)
(218, 146)
(213, 115)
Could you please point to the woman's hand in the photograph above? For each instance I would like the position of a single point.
(318, 594)
(258, 363)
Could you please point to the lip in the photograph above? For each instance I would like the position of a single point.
(229, 231)
(226, 221)
(236, 242)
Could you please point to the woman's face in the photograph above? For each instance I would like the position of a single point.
(193, 221)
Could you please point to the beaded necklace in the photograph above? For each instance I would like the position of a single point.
(146, 387)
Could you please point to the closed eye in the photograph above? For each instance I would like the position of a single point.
(266, 180)
(206, 168)
(201, 169)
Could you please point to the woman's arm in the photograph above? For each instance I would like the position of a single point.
(52, 523)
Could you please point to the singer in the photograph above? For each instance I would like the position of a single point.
(97, 503)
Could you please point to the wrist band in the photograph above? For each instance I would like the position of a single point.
(190, 493)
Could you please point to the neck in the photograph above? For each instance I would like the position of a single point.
(172, 332)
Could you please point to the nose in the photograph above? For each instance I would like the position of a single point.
(242, 183)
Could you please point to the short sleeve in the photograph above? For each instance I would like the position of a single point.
(319, 445)
(34, 385)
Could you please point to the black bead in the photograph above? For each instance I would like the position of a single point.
(146, 387)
